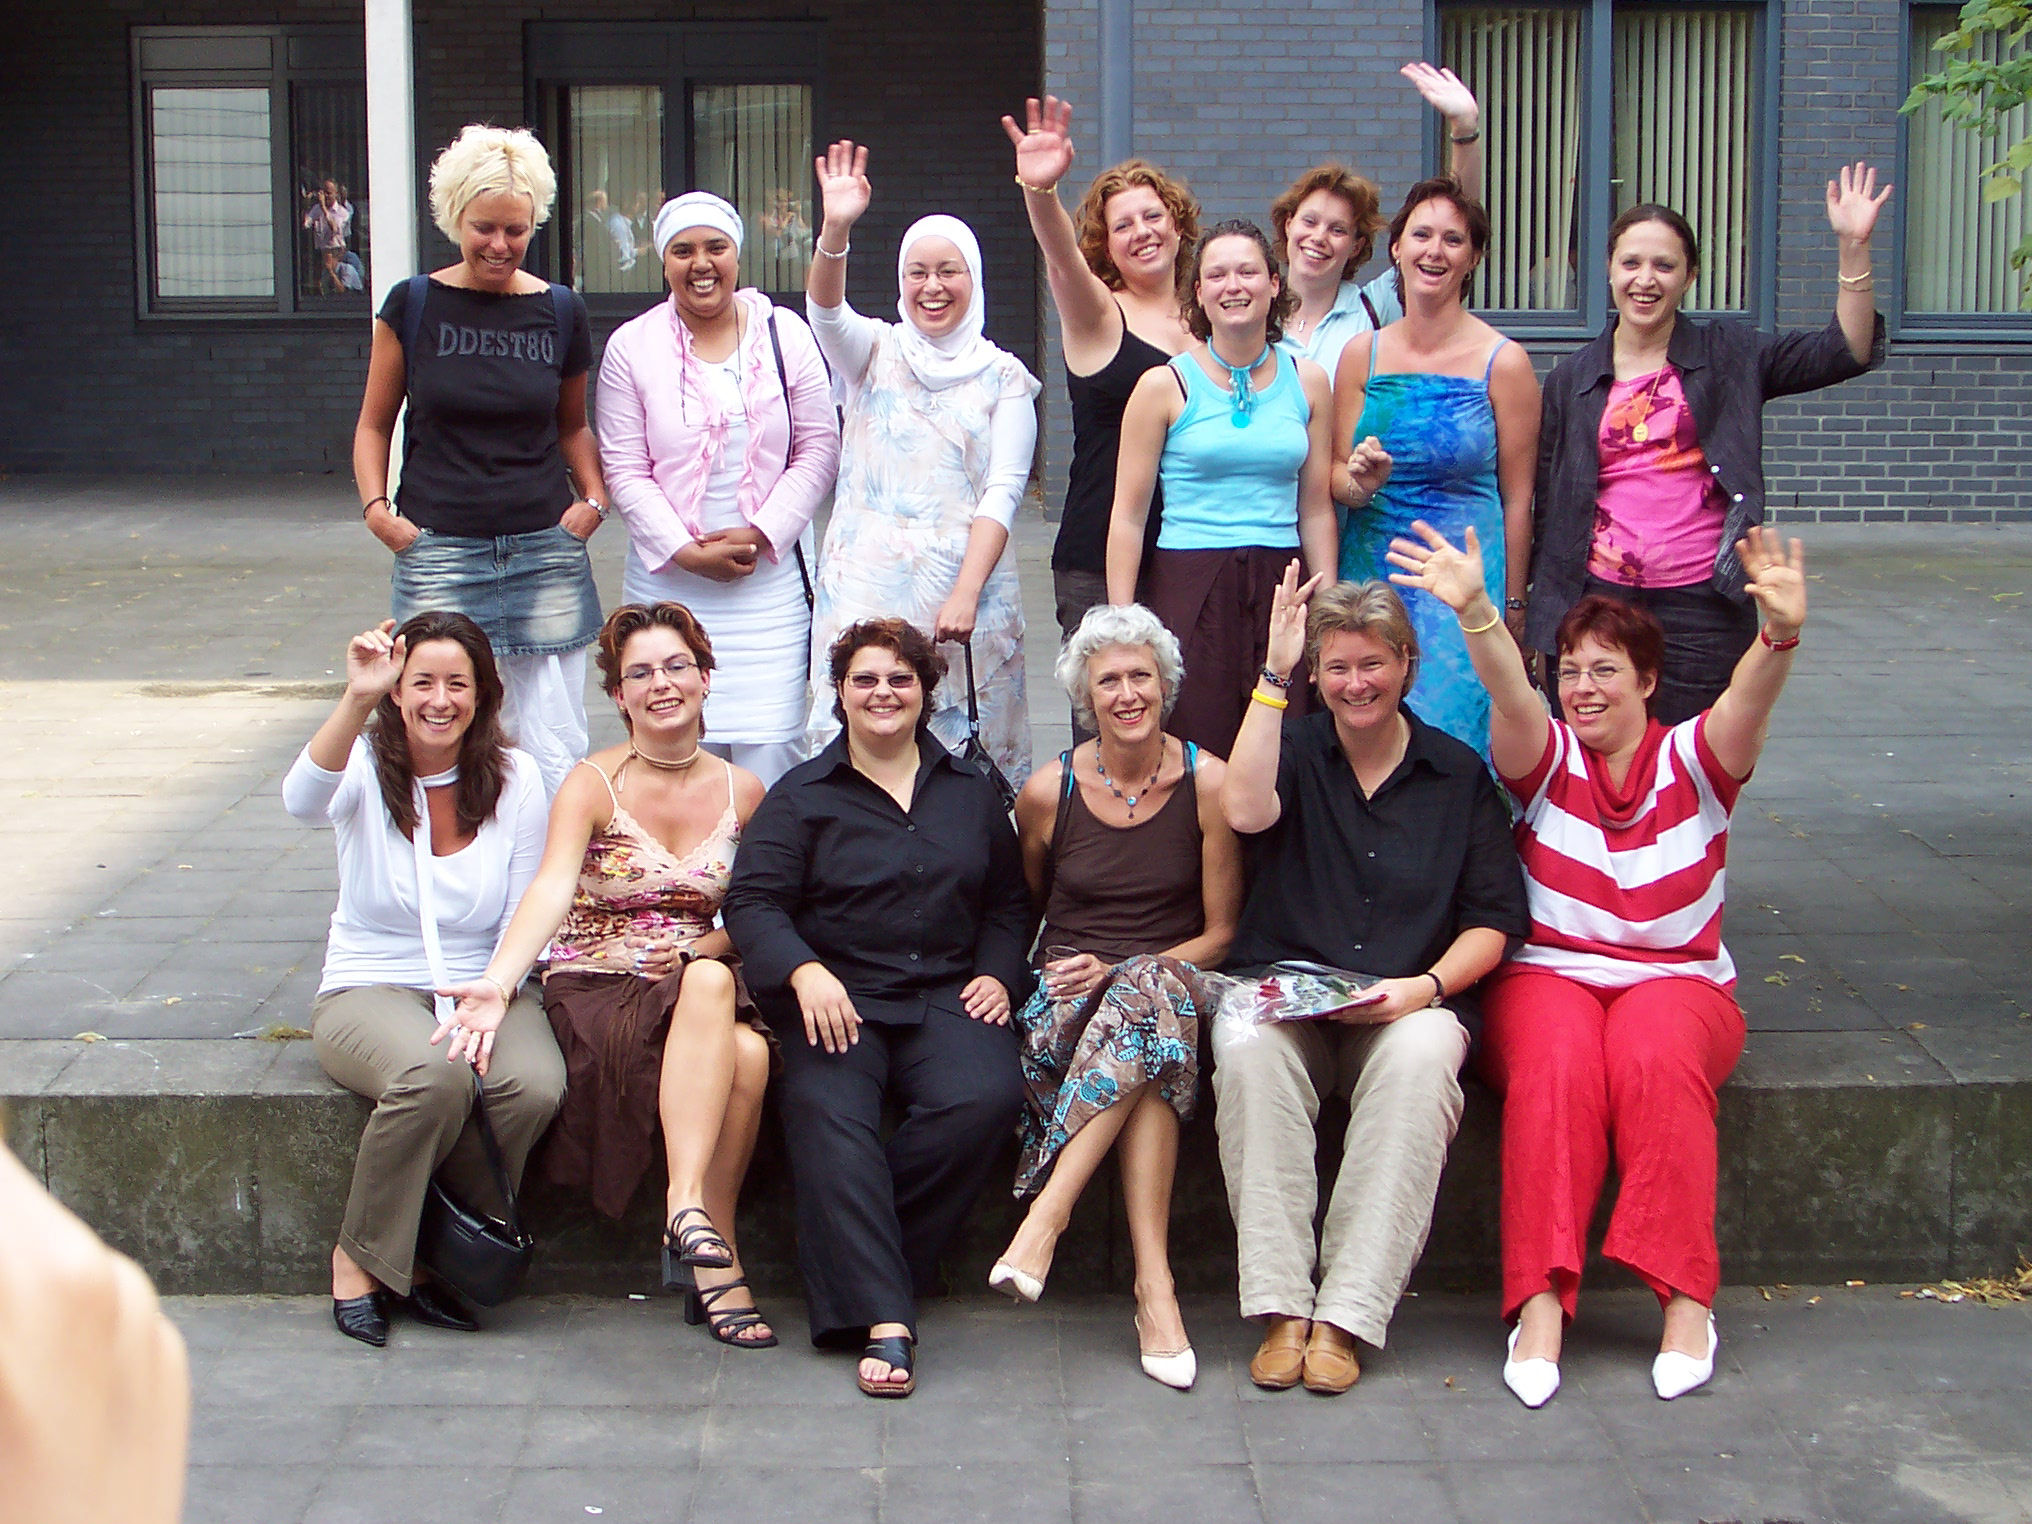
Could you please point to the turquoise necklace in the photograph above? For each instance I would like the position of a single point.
(1241, 399)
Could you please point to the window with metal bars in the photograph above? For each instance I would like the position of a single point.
(251, 193)
(1591, 108)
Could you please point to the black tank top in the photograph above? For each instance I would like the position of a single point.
(1097, 404)
(1115, 897)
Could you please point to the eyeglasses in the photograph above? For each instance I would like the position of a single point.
(917, 275)
(674, 669)
(868, 682)
(1600, 674)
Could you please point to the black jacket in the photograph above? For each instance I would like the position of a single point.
(904, 908)
(1729, 371)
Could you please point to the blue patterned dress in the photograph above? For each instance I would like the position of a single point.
(1441, 435)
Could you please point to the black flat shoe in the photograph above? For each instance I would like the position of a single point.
(363, 1317)
(430, 1303)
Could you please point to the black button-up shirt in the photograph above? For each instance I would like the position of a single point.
(903, 907)
(1728, 371)
(1381, 885)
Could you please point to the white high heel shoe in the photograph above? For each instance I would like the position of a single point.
(1674, 1375)
(1177, 1370)
(1018, 1285)
(1532, 1382)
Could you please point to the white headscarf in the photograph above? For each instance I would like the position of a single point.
(964, 353)
(696, 209)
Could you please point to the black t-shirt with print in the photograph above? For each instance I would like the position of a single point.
(479, 453)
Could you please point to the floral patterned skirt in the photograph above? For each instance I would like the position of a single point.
(1082, 1055)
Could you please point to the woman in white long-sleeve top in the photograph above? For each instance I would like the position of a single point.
(718, 440)
(415, 746)
(940, 429)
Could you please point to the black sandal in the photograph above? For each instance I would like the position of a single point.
(728, 1326)
(698, 1245)
(898, 1351)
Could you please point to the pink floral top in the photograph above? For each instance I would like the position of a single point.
(632, 885)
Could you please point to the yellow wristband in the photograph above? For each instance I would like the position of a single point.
(1494, 620)
(1270, 700)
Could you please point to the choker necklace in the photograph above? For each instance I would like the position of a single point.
(1141, 793)
(669, 767)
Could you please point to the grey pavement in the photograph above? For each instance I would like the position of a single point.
(169, 643)
(1834, 1406)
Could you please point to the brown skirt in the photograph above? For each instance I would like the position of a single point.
(611, 1029)
(1217, 602)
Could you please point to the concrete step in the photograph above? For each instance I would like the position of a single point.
(223, 1166)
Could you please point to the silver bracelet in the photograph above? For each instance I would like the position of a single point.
(819, 248)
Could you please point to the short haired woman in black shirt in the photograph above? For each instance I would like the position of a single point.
(493, 363)
(879, 906)
(1377, 846)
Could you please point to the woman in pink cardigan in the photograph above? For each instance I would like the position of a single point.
(718, 440)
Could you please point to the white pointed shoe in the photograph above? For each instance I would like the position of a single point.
(1532, 1382)
(1018, 1285)
(1674, 1375)
(1177, 1370)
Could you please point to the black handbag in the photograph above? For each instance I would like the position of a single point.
(481, 1258)
(974, 753)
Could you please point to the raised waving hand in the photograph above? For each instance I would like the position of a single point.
(1044, 151)
(843, 186)
(1853, 202)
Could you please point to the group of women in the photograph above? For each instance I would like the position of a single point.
(1261, 845)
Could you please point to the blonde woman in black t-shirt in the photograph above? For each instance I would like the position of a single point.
(492, 362)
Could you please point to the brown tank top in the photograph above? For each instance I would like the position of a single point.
(1114, 896)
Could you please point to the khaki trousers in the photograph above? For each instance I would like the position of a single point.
(1403, 1087)
(375, 1040)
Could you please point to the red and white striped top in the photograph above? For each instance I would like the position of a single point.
(1625, 884)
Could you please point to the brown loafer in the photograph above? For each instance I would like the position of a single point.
(1330, 1366)
(1280, 1360)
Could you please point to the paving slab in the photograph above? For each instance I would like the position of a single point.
(1831, 1405)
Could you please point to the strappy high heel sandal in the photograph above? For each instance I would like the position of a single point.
(698, 1244)
(728, 1326)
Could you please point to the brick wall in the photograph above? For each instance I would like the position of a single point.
(1938, 433)
(92, 387)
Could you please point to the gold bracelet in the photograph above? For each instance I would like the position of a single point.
(1037, 190)
(1854, 282)
(1494, 620)
(1268, 700)
(507, 995)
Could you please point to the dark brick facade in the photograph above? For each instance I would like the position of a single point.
(91, 387)
(1238, 99)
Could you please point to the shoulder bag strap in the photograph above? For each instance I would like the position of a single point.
(973, 700)
(1375, 320)
(561, 304)
(790, 449)
(1066, 786)
(433, 951)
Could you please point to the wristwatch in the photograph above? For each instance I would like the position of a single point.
(598, 507)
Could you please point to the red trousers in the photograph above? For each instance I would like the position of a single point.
(1583, 1070)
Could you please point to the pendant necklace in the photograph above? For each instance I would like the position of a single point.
(1641, 431)
(1241, 399)
(1141, 793)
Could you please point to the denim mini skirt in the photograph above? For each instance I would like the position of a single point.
(532, 593)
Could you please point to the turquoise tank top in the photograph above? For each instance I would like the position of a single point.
(1224, 487)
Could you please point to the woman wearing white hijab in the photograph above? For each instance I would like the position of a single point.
(940, 428)
(718, 439)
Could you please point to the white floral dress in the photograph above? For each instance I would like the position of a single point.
(913, 467)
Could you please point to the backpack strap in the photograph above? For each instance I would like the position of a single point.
(561, 303)
(412, 319)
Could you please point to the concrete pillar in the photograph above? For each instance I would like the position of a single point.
(392, 255)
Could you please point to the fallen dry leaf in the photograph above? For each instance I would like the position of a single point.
(89, 1037)
(1790, 958)
(1778, 978)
